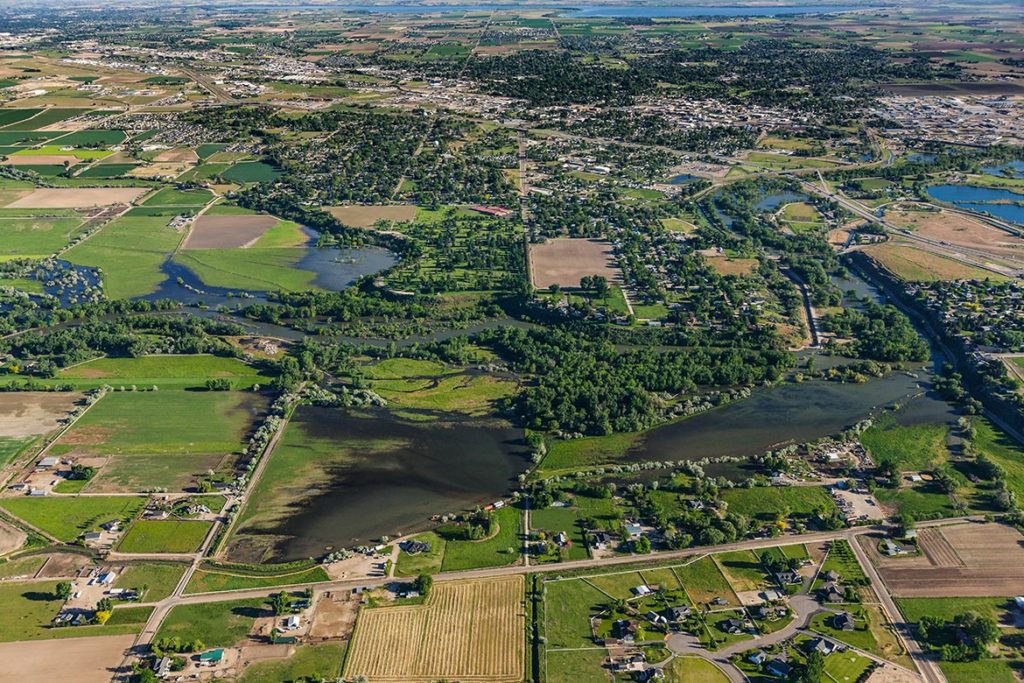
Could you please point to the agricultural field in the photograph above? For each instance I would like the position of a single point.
(468, 630)
(159, 579)
(68, 518)
(367, 216)
(215, 624)
(907, 449)
(564, 262)
(77, 198)
(28, 414)
(164, 371)
(164, 536)
(36, 237)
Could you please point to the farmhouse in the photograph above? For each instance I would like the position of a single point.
(843, 621)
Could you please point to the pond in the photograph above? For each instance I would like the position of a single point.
(1001, 203)
(397, 476)
(775, 200)
(1011, 169)
(786, 414)
(682, 179)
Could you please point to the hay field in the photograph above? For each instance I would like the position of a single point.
(31, 413)
(965, 560)
(77, 198)
(467, 630)
(360, 216)
(564, 261)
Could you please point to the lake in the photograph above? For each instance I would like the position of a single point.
(428, 468)
(774, 201)
(982, 200)
(1012, 169)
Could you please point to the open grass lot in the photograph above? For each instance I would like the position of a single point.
(466, 630)
(146, 423)
(995, 444)
(216, 624)
(67, 518)
(35, 237)
(21, 567)
(921, 447)
(428, 385)
(166, 372)
(871, 633)
(743, 570)
(703, 582)
(362, 216)
(30, 607)
(573, 454)
(846, 667)
(617, 586)
(568, 606)
(170, 196)
(489, 552)
(10, 448)
(693, 670)
(426, 562)
(130, 250)
(159, 578)
(576, 666)
(552, 520)
(209, 581)
(912, 264)
(310, 662)
(164, 536)
(765, 502)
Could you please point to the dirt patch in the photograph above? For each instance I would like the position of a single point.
(11, 538)
(913, 264)
(24, 414)
(725, 265)
(95, 660)
(62, 565)
(358, 216)
(890, 673)
(565, 261)
(227, 232)
(335, 616)
(963, 560)
(85, 436)
(161, 170)
(172, 155)
(958, 229)
(77, 198)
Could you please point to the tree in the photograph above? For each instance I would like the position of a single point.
(814, 669)
(280, 602)
(642, 545)
(423, 584)
(64, 590)
(982, 629)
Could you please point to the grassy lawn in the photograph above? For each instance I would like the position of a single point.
(209, 581)
(216, 624)
(30, 607)
(310, 662)
(617, 586)
(67, 518)
(491, 552)
(576, 666)
(923, 501)
(422, 563)
(130, 251)
(870, 633)
(147, 423)
(554, 520)
(743, 570)
(166, 372)
(693, 670)
(842, 561)
(159, 579)
(766, 502)
(704, 582)
(164, 536)
(170, 196)
(574, 454)
(921, 447)
(846, 667)
(568, 607)
(130, 616)
(255, 269)
(24, 566)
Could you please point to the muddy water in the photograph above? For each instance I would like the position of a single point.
(433, 468)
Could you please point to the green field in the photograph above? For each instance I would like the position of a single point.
(164, 536)
(130, 250)
(22, 567)
(166, 372)
(255, 269)
(209, 581)
(576, 666)
(573, 454)
(216, 624)
(310, 662)
(568, 607)
(159, 579)
(11, 448)
(490, 552)
(743, 569)
(704, 582)
(67, 518)
(251, 172)
(30, 607)
(921, 447)
(36, 237)
(694, 670)
(766, 502)
(427, 562)
(428, 385)
(170, 196)
(995, 444)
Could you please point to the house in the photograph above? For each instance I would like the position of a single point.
(655, 618)
(634, 664)
(212, 657)
(634, 531)
(415, 547)
(832, 592)
(778, 667)
(825, 647)
(49, 461)
(719, 600)
(291, 623)
(600, 540)
(787, 577)
(731, 626)
(844, 621)
(641, 591)
(678, 614)
(757, 658)
(651, 674)
(832, 576)
(770, 595)
(163, 667)
(92, 537)
(562, 540)
(625, 629)
(112, 526)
